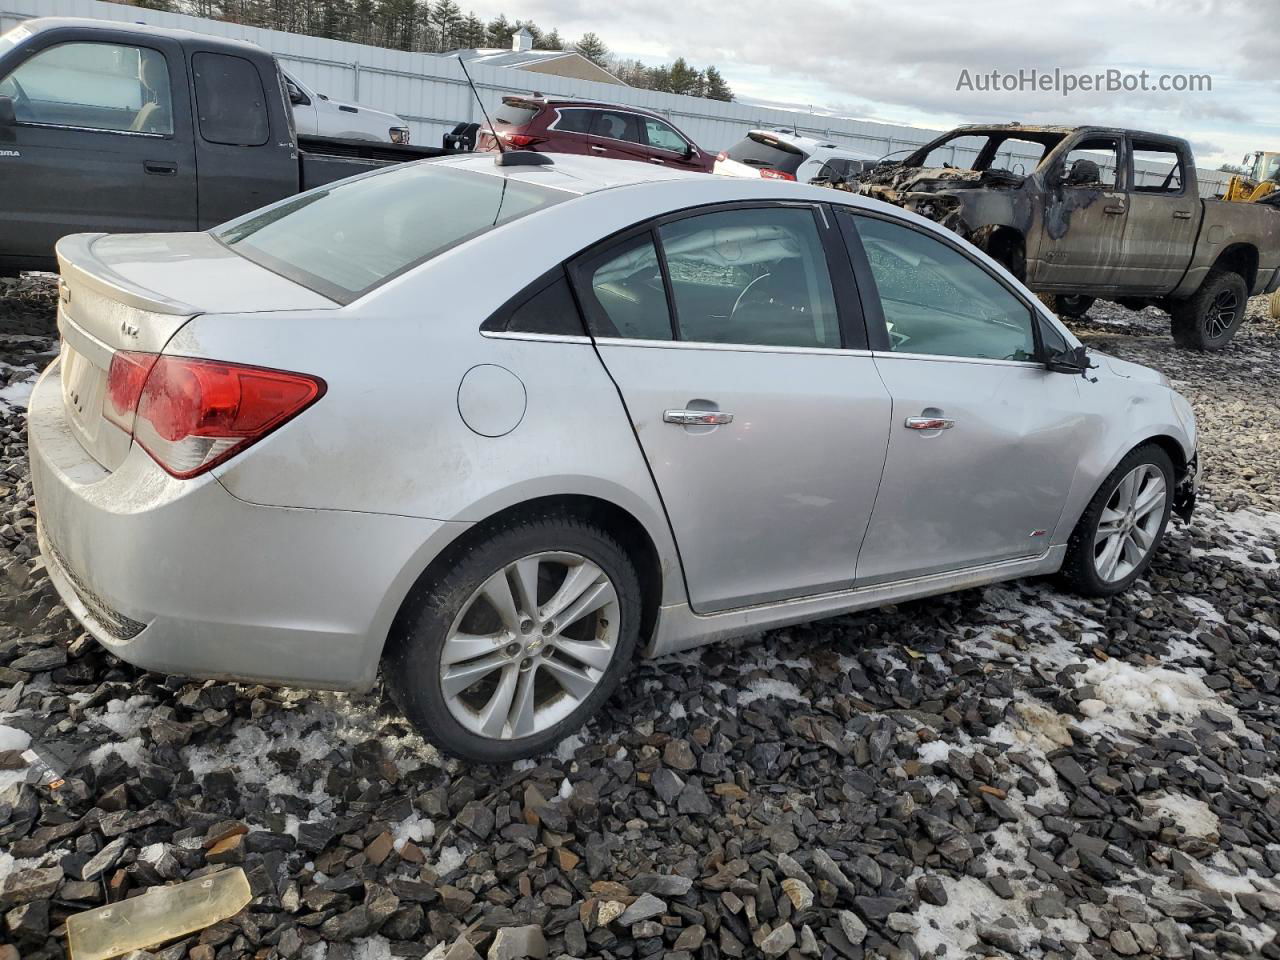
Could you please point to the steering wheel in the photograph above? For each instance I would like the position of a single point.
(745, 290)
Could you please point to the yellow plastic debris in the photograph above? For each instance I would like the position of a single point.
(157, 916)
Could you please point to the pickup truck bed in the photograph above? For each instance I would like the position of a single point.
(1102, 212)
(111, 127)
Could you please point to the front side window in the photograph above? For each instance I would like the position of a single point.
(756, 276)
(663, 136)
(937, 301)
(94, 86)
(230, 102)
(614, 125)
(343, 240)
(1093, 163)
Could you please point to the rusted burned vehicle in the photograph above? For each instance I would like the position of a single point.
(1085, 212)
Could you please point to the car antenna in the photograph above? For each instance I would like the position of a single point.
(505, 158)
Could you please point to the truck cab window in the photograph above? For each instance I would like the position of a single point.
(1092, 163)
(94, 86)
(1157, 168)
(230, 102)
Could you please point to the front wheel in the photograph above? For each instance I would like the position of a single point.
(519, 642)
(1116, 537)
(1273, 306)
(1071, 307)
(1210, 318)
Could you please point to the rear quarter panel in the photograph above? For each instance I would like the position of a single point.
(1228, 224)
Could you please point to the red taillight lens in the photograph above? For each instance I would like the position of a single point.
(191, 415)
(722, 155)
(769, 174)
(125, 380)
(521, 139)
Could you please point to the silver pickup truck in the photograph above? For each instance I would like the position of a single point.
(1085, 212)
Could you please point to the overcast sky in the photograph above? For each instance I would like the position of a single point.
(901, 61)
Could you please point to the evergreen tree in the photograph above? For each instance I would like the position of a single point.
(682, 78)
(716, 88)
(471, 33)
(593, 48)
(498, 32)
(446, 19)
(549, 41)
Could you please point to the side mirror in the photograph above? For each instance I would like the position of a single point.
(1073, 360)
(7, 116)
(295, 96)
(689, 151)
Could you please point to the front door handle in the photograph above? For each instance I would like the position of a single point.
(160, 168)
(929, 423)
(656, 160)
(1114, 209)
(1182, 214)
(697, 418)
(595, 149)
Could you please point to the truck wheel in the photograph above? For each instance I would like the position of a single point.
(1273, 305)
(1209, 318)
(1070, 307)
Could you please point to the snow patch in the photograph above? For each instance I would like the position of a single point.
(18, 393)
(1194, 816)
(449, 860)
(1203, 609)
(125, 718)
(415, 828)
(770, 687)
(1135, 695)
(935, 751)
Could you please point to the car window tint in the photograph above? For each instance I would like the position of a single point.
(938, 301)
(1092, 163)
(550, 310)
(663, 136)
(230, 103)
(96, 86)
(617, 126)
(762, 151)
(627, 293)
(756, 276)
(574, 121)
(1156, 168)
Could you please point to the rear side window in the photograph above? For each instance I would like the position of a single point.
(614, 125)
(1157, 168)
(230, 102)
(760, 150)
(548, 309)
(346, 239)
(574, 121)
(626, 294)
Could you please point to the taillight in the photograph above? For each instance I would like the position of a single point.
(770, 174)
(191, 415)
(722, 155)
(521, 139)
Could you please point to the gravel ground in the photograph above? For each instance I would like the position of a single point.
(1001, 772)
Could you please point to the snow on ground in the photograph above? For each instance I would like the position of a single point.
(17, 394)
(1135, 697)
(1194, 816)
(769, 687)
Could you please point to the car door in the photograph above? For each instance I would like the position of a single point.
(1164, 208)
(306, 120)
(984, 439)
(619, 135)
(1080, 241)
(763, 421)
(668, 147)
(102, 142)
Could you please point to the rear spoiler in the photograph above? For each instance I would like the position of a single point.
(77, 263)
(524, 103)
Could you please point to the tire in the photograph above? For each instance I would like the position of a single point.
(1083, 569)
(452, 610)
(1273, 306)
(1071, 307)
(1209, 318)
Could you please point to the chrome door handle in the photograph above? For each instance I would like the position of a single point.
(595, 149)
(1182, 214)
(656, 160)
(1114, 209)
(697, 418)
(928, 423)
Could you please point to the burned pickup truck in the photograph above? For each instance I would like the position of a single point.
(1079, 213)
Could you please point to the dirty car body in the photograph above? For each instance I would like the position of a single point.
(767, 452)
(1085, 211)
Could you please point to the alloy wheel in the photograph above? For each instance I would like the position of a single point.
(530, 644)
(1222, 314)
(1130, 522)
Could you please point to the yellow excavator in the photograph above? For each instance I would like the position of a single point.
(1261, 180)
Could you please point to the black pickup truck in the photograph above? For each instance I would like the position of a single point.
(122, 128)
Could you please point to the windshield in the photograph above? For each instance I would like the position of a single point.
(1018, 153)
(342, 241)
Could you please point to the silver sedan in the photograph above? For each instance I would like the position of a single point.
(497, 428)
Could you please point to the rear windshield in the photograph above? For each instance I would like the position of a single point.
(761, 150)
(516, 113)
(343, 240)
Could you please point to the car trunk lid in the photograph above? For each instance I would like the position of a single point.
(133, 293)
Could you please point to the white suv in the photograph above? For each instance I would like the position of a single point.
(779, 155)
(317, 115)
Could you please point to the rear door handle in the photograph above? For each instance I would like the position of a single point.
(1114, 209)
(160, 168)
(697, 418)
(929, 423)
(595, 149)
(1182, 214)
(656, 160)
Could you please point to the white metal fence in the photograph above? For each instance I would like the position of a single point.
(431, 93)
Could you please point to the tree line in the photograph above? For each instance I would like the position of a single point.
(438, 26)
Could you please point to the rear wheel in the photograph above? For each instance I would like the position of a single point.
(519, 642)
(1116, 537)
(1210, 318)
(1273, 306)
(1071, 307)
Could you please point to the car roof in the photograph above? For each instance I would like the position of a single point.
(571, 172)
(186, 37)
